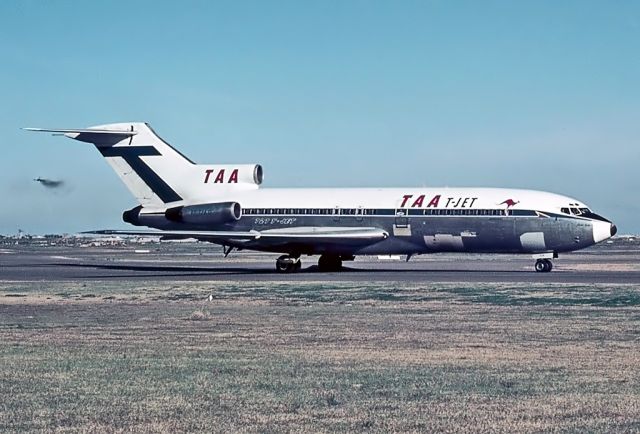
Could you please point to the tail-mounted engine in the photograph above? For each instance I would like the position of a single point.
(205, 214)
(239, 174)
(208, 214)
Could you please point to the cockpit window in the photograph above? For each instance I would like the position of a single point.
(575, 211)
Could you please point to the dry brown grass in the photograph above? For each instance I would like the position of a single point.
(319, 358)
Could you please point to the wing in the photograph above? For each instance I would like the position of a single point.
(211, 236)
(270, 238)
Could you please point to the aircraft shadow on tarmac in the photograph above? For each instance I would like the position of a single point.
(182, 271)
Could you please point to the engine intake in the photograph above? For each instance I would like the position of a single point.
(205, 214)
(233, 174)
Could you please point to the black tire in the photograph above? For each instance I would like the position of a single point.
(281, 267)
(549, 265)
(541, 266)
(284, 265)
(329, 263)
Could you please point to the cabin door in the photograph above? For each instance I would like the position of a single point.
(401, 221)
(401, 226)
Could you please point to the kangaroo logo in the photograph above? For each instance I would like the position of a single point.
(509, 203)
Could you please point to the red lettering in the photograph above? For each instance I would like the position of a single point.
(234, 176)
(208, 173)
(418, 201)
(434, 202)
(405, 198)
(220, 177)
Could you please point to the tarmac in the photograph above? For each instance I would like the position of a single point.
(617, 262)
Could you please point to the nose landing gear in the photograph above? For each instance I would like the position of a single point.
(543, 265)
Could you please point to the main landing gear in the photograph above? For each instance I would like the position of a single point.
(288, 264)
(543, 265)
(330, 263)
(292, 263)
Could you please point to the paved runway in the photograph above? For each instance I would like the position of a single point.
(617, 263)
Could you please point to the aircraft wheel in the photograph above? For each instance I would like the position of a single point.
(543, 265)
(288, 264)
(329, 263)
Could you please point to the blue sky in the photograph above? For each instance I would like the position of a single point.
(541, 95)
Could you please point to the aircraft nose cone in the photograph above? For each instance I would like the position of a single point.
(602, 230)
(614, 230)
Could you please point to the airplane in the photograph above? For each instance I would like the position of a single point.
(48, 182)
(224, 204)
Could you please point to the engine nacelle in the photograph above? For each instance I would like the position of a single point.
(132, 216)
(205, 214)
(238, 174)
(137, 217)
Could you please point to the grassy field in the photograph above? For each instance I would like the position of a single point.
(314, 357)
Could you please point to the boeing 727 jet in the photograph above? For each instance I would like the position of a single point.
(224, 204)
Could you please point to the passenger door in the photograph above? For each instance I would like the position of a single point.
(401, 226)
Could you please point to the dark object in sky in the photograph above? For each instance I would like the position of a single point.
(50, 183)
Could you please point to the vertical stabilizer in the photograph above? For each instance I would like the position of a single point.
(156, 173)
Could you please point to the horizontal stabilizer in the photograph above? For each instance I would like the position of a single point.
(82, 131)
(90, 135)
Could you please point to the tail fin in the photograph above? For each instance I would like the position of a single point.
(156, 173)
